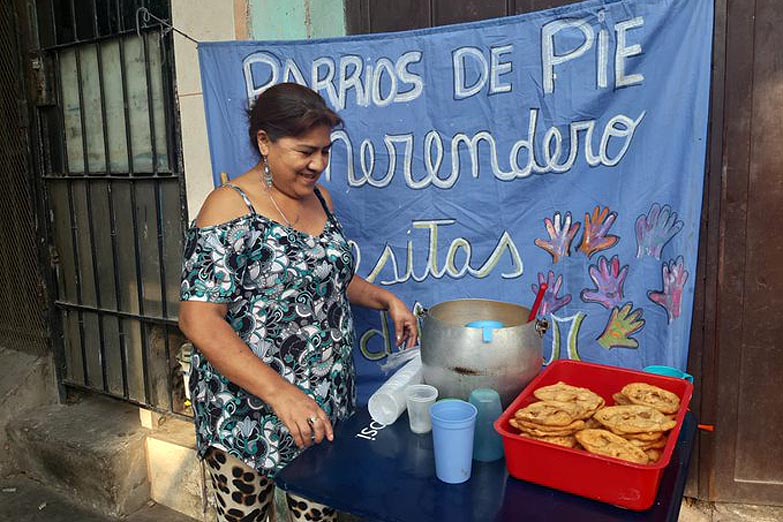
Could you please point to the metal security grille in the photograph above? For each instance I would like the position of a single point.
(22, 324)
(115, 196)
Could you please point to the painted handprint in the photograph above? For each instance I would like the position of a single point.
(551, 303)
(656, 229)
(561, 235)
(609, 279)
(622, 324)
(596, 236)
(674, 277)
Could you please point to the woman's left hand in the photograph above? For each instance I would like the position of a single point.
(406, 327)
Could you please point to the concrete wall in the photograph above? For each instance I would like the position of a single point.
(296, 19)
(216, 20)
(204, 20)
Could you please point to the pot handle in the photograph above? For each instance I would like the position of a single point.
(542, 325)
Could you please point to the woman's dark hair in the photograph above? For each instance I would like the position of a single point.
(289, 109)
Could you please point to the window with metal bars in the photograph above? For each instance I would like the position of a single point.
(115, 197)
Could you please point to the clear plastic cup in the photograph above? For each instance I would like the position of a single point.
(419, 398)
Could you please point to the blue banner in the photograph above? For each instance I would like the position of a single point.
(481, 160)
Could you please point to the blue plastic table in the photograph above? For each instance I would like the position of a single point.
(388, 474)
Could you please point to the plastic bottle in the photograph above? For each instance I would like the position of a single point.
(388, 402)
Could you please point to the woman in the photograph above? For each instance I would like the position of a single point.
(267, 280)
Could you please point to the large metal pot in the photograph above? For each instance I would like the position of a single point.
(457, 359)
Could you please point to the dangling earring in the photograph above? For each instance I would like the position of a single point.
(267, 173)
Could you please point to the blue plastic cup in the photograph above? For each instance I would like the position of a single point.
(487, 443)
(453, 424)
(669, 371)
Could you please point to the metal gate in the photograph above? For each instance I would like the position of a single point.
(22, 301)
(112, 179)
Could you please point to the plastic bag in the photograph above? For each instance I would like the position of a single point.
(399, 358)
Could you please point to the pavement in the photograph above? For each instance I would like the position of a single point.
(25, 500)
(693, 510)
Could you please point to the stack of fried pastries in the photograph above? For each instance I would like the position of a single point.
(562, 411)
(634, 430)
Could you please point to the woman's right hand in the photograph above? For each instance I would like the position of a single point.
(306, 421)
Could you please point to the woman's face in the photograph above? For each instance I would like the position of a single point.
(297, 162)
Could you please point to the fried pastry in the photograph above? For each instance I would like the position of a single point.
(591, 423)
(568, 441)
(551, 413)
(634, 419)
(653, 396)
(644, 445)
(647, 436)
(562, 392)
(538, 432)
(653, 454)
(606, 443)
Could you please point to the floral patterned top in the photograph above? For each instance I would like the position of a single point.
(287, 299)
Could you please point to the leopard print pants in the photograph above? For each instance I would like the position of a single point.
(244, 495)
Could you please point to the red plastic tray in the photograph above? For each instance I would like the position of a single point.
(623, 484)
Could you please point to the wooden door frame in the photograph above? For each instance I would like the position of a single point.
(703, 342)
(716, 354)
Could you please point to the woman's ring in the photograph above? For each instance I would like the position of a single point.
(312, 420)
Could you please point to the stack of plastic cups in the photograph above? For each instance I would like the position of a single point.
(388, 402)
(453, 424)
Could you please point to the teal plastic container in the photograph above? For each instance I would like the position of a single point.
(669, 371)
(487, 443)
